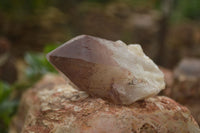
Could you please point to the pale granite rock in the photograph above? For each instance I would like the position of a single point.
(107, 69)
(53, 106)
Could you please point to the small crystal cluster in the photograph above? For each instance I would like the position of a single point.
(107, 69)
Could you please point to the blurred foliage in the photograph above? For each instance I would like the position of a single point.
(37, 66)
(184, 9)
(99, 1)
(190, 9)
(7, 105)
(19, 7)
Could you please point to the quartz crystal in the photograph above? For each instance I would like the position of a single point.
(110, 70)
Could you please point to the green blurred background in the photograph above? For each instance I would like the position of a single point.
(168, 30)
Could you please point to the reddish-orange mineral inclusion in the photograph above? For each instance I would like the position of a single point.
(107, 69)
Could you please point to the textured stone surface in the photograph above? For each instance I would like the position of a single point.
(183, 85)
(169, 81)
(54, 106)
(112, 70)
(188, 68)
(186, 88)
(187, 79)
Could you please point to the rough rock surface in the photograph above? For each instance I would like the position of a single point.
(186, 88)
(107, 69)
(183, 85)
(187, 78)
(54, 106)
(169, 81)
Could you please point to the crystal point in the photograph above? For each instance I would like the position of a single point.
(107, 69)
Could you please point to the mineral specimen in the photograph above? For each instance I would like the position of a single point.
(107, 69)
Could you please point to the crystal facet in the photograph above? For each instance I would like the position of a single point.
(111, 70)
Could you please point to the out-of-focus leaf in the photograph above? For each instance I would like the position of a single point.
(7, 108)
(5, 90)
(38, 65)
(50, 47)
(185, 9)
(7, 105)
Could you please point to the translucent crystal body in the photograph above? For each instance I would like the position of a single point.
(107, 69)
